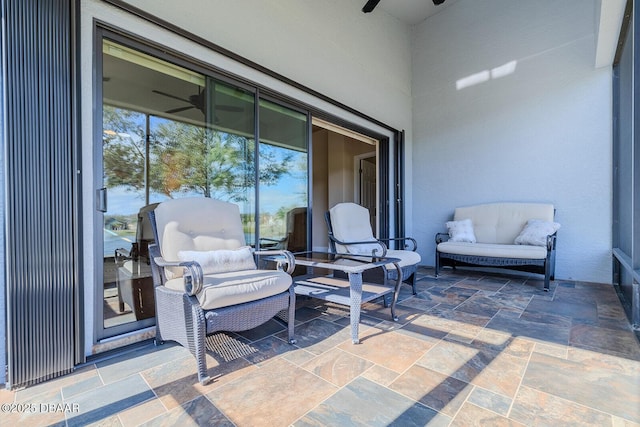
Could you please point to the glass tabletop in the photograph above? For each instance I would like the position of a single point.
(349, 263)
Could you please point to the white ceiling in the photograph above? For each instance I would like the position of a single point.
(411, 11)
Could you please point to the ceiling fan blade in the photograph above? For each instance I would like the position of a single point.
(177, 110)
(171, 96)
(230, 108)
(197, 101)
(370, 5)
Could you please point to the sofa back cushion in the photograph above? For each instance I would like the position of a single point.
(502, 222)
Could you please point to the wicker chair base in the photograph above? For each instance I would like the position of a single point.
(190, 325)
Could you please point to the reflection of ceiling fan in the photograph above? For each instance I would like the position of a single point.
(196, 101)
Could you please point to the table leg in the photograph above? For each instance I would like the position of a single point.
(355, 294)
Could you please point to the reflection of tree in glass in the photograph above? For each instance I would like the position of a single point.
(185, 158)
(123, 148)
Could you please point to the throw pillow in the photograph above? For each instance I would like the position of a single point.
(461, 231)
(535, 232)
(221, 261)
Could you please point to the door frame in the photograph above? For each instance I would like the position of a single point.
(357, 181)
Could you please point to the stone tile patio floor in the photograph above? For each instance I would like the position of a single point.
(470, 349)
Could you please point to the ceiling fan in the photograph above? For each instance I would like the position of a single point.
(371, 4)
(197, 101)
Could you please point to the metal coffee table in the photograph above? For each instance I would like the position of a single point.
(352, 292)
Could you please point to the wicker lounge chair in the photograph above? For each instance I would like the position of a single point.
(206, 279)
(133, 278)
(350, 232)
(295, 239)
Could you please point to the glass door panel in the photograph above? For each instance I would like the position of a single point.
(127, 285)
(283, 177)
(168, 132)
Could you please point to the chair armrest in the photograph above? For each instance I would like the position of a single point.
(288, 259)
(268, 239)
(374, 252)
(272, 244)
(405, 240)
(122, 252)
(551, 242)
(121, 255)
(193, 277)
(441, 237)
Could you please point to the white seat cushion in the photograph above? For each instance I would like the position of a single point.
(493, 250)
(407, 258)
(230, 288)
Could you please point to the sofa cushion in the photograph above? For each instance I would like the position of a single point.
(221, 260)
(493, 250)
(461, 231)
(224, 289)
(502, 222)
(536, 232)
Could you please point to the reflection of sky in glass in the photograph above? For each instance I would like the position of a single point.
(126, 201)
(291, 188)
(290, 191)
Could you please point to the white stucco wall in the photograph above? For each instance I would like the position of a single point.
(362, 61)
(508, 106)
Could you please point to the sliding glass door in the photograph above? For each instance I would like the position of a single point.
(169, 131)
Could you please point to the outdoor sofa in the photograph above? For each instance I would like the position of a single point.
(517, 236)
